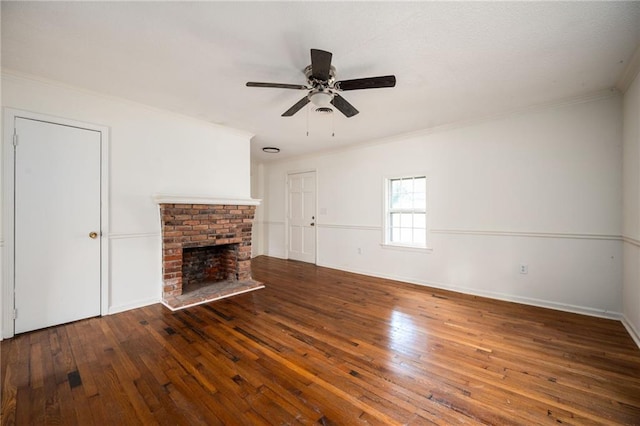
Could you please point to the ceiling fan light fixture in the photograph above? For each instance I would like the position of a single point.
(321, 99)
(271, 149)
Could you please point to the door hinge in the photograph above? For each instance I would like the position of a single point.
(15, 314)
(15, 138)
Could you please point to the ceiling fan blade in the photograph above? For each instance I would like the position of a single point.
(277, 85)
(320, 64)
(297, 107)
(366, 83)
(343, 106)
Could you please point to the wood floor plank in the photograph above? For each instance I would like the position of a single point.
(320, 346)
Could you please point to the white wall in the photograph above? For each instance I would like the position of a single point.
(542, 188)
(631, 210)
(151, 151)
(257, 193)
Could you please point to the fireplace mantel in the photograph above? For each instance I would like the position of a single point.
(190, 199)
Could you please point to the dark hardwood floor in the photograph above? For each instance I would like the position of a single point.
(320, 346)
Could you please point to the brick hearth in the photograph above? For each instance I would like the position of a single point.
(189, 226)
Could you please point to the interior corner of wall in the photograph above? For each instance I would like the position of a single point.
(631, 329)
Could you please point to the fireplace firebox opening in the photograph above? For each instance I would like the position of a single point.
(209, 264)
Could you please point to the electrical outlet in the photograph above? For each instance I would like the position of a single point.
(359, 250)
(524, 269)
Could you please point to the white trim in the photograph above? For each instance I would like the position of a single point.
(527, 234)
(630, 71)
(105, 263)
(496, 233)
(565, 307)
(401, 247)
(137, 235)
(9, 116)
(190, 199)
(631, 240)
(8, 303)
(635, 335)
(133, 305)
(286, 216)
(1, 243)
(210, 300)
(276, 256)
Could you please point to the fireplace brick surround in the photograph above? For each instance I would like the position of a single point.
(189, 226)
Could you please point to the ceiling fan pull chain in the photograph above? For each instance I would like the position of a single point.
(307, 121)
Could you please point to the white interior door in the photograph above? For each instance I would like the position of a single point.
(57, 208)
(302, 216)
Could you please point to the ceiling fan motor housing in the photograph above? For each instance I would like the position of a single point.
(308, 72)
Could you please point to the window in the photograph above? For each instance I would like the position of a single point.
(406, 211)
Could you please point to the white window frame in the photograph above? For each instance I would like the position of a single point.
(386, 237)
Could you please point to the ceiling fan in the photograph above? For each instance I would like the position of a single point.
(324, 90)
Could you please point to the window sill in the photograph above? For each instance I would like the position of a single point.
(406, 248)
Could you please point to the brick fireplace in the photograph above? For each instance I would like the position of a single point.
(204, 241)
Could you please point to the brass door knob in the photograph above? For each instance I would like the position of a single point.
(93, 235)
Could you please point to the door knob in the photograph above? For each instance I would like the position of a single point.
(93, 235)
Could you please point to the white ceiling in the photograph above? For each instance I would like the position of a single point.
(454, 61)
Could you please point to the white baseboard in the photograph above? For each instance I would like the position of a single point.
(133, 305)
(631, 329)
(584, 310)
(277, 256)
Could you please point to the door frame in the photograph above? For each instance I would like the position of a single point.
(286, 212)
(8, 198)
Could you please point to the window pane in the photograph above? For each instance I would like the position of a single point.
(395, 220)
(401, 196)
(419, 236)
(420, 201)
(394, 189)
(406, 235)
(419, 193)
(401, 200)
(395, 235)
(406, 201)
(407, 185)
(395, 186)
(420, 220)
(406, 220)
